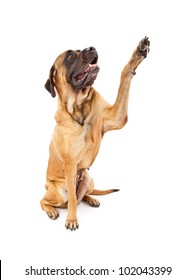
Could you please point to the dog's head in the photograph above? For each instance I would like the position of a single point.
(78, 69)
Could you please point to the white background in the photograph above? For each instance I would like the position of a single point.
(150, 222)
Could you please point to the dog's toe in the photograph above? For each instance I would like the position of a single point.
(51, 211)
(143, 47)
(91, 201)
(53, 214)
(72, 224)
(94, 203)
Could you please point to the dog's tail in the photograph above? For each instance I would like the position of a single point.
(103, 192)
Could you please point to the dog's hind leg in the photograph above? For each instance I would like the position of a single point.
(54, 197)
(84, 187)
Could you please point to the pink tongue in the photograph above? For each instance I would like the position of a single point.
(80, 76)
(91, 66)
(88, 68)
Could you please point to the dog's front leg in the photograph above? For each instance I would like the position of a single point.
(116, 115)
(71, 221)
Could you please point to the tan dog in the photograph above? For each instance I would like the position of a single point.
(82, 118)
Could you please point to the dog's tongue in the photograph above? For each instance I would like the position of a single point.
(80, 76)
(89, 68)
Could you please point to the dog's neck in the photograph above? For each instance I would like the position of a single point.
(77, 104)
(76, 99)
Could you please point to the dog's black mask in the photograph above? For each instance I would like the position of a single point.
(81, 67)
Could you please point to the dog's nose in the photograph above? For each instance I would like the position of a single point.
(88, 54)
(89, 49)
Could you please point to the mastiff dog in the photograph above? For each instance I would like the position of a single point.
(82, 119)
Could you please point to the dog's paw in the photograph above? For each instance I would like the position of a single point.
(138, 55)
(94, 202)
(91, 201)
(143, 47)
(52, 213)
(72, 224)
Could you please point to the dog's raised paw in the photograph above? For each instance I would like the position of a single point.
(71, 224)
(143, 47)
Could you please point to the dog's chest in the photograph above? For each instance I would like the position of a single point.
(81, 112)
(79, 107)
(89, 147)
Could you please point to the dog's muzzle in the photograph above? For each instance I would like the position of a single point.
(86, 70)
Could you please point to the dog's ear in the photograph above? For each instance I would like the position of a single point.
(49, 85)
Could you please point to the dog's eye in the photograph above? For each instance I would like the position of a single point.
(70, 56)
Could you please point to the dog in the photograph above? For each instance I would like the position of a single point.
(82, 119)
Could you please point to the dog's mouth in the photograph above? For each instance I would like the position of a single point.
(86, 75)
